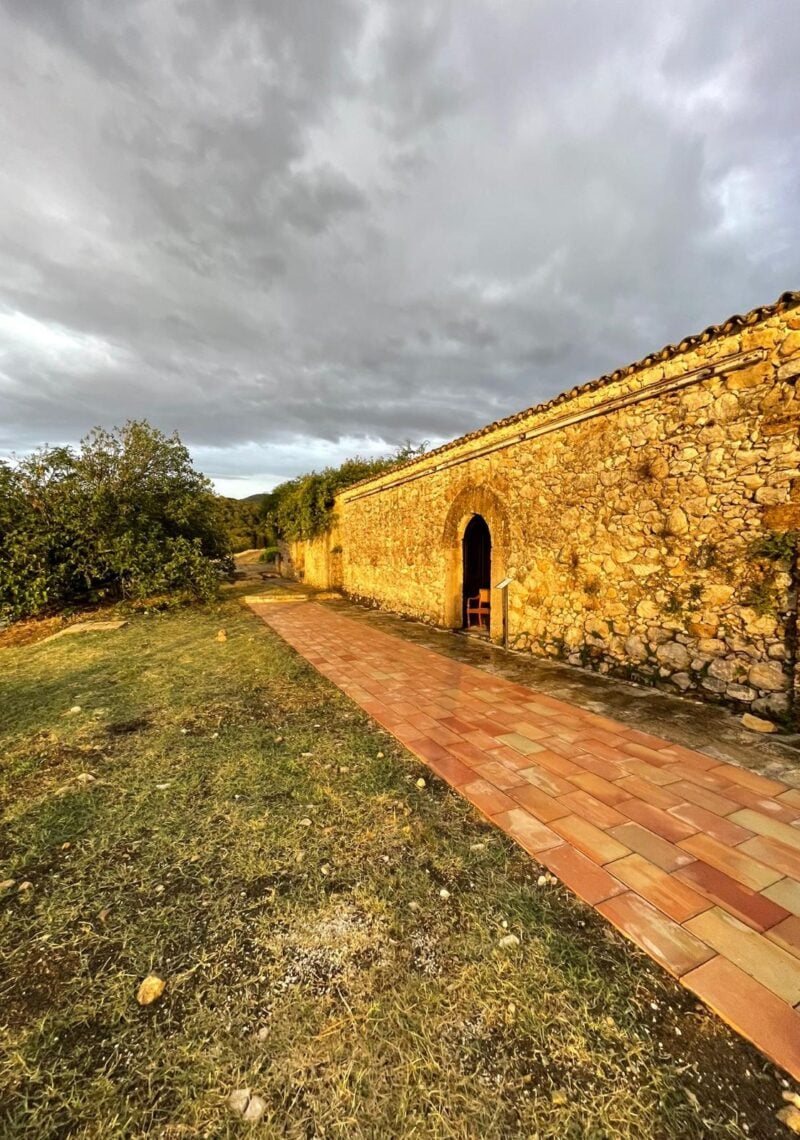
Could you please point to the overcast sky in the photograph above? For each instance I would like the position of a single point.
(298, 229)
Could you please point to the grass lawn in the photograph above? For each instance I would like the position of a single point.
(253, 839)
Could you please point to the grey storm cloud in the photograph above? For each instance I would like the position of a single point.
(292, 229)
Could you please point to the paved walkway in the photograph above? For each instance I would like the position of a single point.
(695, 861)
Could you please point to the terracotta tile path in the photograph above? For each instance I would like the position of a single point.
(695, 861)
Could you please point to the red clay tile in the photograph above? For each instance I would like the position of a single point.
(671, 945)
(744, 797)
(665, 891)
(657, 850)
(642, 752)
(701, 777)
(486, 797)
(498, 774)
(762, 959)
(786, 893)
(656, 820)
(528, 831)
(714, 825)
(555, 763)
(453, 770)
(598, 845)
(639, 789)
(428, 749)
(605, 769)
(407, 732)
(733, 861)
(586, 806)
(696, 760)
(539, 803)
(602, 750)
(598, 787)
(519, 742)
(645, 771)
(547, 781)
(752, 780)
(790, 798)
(762, 824)
(645, 738)
(751, 907)
(751, 1009)
(469, 753)
(775, 854)
(581, 875)
(440, 735)
(704, 798)
(787, 935)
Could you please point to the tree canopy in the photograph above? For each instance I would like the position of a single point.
(124, 515)
(302, 508)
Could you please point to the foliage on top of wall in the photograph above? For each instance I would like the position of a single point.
(302, 508)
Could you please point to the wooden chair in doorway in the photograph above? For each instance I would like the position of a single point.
(478, 610)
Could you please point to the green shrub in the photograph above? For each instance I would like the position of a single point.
(123, 517)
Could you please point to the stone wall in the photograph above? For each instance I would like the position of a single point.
(648, 520)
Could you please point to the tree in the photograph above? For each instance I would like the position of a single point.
(124, 516)
(303, 507)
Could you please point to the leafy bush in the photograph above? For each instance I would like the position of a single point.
(302, 508)
(124, 516)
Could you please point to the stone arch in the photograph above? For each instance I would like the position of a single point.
(474, 499)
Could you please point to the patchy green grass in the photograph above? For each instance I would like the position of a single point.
(251, 837)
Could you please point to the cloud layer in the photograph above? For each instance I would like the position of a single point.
(296, 230)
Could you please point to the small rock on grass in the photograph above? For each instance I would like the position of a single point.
(790, 1116)
(255, 1110)
(250, 1106)
(444, 893)
(6, 884)
(85, 778)
(508, 942)
(420, 782)
(150, 990)
(222, 635)
(239, 1100)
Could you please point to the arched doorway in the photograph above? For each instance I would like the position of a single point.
(477, 575)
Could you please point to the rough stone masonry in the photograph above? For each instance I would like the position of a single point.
(649, 521)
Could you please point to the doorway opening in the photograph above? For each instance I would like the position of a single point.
(477, 576)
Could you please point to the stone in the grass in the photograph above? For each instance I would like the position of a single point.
(6, 884)
(790, 1116)
(255, 1110)
(420, 782)
(222, 635)
(444, 893)
(239, 1100)
(508, 942)
(150, 990)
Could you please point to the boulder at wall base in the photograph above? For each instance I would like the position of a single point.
(635, 648)
(769, 676)
(756, 724)
(673, 655)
